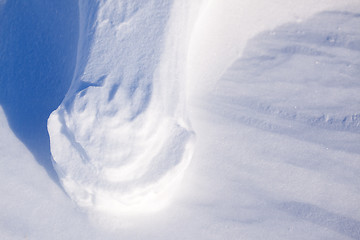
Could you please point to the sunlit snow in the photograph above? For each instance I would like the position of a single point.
(121, 140)
(180, 119)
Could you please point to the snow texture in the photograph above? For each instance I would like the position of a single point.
(276, 118)
(121, 139)
(224, 27)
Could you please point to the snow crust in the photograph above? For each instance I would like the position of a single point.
(121, 139)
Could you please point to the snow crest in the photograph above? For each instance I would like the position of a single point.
(121, 139)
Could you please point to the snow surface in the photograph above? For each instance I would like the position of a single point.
(224, 27)
(121, 140)
(277, 152)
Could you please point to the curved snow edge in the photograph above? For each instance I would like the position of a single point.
(121, 139)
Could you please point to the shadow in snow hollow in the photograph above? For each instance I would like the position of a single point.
(38, 43)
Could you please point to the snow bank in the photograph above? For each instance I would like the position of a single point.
(324, 62)
(300, 79)
(224, 28)
(121, 139)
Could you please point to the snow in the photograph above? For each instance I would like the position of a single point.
(37, 59)
(121, 140)
(277, 122)
(32, 205)
(224, 27)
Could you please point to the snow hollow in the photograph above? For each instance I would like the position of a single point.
(37, 58)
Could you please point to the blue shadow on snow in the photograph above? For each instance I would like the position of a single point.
(344, 225)
(38, 44)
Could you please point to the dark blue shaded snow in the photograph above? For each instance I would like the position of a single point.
(38, 41)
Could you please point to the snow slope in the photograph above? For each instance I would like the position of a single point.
(224, 27)
(276, 157)
(281, 130)
(121, 140)
(32, 206)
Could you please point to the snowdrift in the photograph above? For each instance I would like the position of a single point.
(277, 153)
(224, 28)
(121, 139)
(324, 63)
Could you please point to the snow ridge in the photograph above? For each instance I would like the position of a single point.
(121, 139)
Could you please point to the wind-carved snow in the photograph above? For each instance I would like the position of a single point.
(121, 139)
(319, 94)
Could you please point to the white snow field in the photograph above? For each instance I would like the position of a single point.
(274, 102)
